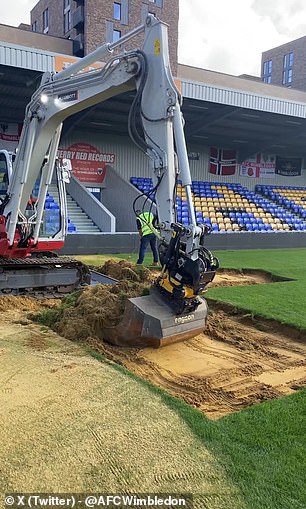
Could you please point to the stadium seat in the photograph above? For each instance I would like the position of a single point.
(230, 207)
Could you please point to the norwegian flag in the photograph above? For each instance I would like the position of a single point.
(222, 162)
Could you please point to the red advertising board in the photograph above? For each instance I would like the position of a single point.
(88, 163)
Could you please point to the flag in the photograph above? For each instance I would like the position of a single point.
(222, 162)
(288, 166)
(251, 166)
(249, 171)
(258, 166)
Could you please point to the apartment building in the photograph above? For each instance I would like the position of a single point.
(89, 23)
(285, 65)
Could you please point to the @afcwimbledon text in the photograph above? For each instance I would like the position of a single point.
(91, 501)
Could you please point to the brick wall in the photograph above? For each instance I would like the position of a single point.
(56, 17)
(99, 12)
(298, 47)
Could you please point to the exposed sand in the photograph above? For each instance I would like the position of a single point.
(235, 363)
(231, 366)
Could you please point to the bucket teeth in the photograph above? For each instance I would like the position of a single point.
(149, 322)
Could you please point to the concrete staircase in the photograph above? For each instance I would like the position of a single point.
(76, 215)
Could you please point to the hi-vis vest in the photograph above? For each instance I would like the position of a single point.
(146, 220)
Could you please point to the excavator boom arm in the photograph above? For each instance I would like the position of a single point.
(156, 126)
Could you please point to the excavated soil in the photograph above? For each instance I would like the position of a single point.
(102, 306)
(235, 363)
(230, 367)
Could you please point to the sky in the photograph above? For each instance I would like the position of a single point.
(221, 35)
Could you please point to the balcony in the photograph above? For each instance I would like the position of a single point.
(78, 17)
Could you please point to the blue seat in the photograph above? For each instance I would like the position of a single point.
(71, 228)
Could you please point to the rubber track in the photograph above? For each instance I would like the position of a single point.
(33, 264)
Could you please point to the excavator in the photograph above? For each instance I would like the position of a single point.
(174, 310)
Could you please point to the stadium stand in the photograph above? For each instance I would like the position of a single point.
(230, 207)
(52, 215)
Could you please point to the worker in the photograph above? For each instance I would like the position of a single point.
(145, 227)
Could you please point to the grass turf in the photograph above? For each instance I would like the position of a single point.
(283, 301)
(262, 448)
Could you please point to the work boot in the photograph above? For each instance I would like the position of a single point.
(155, 264)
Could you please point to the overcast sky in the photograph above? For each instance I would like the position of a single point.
(222, 35)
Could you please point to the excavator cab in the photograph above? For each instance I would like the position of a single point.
(51, 198)
(6, 161)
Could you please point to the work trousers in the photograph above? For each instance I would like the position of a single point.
(144, 242)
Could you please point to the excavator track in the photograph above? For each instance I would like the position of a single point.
(42, 276)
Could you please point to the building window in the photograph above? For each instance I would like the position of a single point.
(67, 16)
(46, 21)
(34, 26)
(117, 11)
(267, 71)
(116, 35)
(288, 68)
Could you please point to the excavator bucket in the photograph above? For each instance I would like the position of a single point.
(149, 322)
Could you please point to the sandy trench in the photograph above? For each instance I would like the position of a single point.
(235, 363)
(230, 367)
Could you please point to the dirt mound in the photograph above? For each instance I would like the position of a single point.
(102, 306)
(125, 270)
